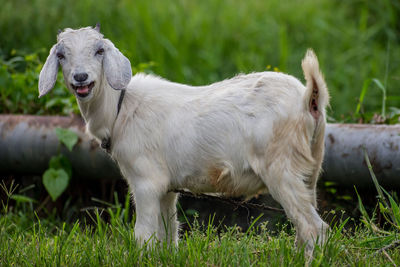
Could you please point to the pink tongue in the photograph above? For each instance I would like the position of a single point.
(83, 90)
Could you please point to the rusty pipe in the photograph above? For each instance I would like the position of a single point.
(28, 142)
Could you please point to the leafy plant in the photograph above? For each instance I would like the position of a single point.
(19, 88)
(56, 178)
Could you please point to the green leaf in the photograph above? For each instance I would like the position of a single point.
(22, 199)
(61, 162)
(361, 207)
(392, 210)
(191, 212)
(383, 89)
(67, 137)
(374, 179)
(382, 208)
(378, 241)
(330, 183)
(55, 182)
(345, 197)
(362, 95)
(396, 210)
(379, 84)
(331, 190)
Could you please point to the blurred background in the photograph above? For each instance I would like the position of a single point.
(203, 41)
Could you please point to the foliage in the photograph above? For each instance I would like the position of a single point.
(19, 88)
(56, 178)
(203, 41)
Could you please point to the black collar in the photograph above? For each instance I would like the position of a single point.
(106, 142)
(121, 97)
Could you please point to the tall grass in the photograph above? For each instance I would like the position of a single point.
(203, 41)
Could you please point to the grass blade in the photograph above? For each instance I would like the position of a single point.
(383, 88)
(253, 223)
(362, 95)
(395, 210)
(361, 207)
(374, 179)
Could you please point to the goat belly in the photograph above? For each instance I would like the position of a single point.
(219, 180)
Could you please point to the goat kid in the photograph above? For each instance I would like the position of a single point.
(238, 136)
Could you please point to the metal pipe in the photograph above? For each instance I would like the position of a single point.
(344, 154)
(28, 142)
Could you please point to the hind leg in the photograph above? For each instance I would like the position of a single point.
(297, 199)
(313, 188)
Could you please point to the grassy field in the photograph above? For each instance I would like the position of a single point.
(28, 241)
(200, 42)
(105, 237)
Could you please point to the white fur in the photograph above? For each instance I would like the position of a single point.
(238, 137)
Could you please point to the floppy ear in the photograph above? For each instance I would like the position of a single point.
(117, 68)
(48, 74)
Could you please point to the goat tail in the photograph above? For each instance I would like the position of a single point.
(316, 97)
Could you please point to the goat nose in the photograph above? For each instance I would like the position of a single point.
(81, 77)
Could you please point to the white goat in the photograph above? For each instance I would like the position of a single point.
(239, 136)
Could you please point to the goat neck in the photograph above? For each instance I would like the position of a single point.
(100, 112)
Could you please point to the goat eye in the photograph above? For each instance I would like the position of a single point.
(60, 56)
(100, 51)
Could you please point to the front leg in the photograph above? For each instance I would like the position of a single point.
(147, 203)
(150, 184)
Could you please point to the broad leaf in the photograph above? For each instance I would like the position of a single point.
(67, 137)
(61, 162)
(55, 181)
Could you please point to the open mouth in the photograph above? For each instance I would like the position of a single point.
(83, 90)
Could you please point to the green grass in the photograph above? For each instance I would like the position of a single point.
(27, 240)
(203, 41)
(49, 243)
